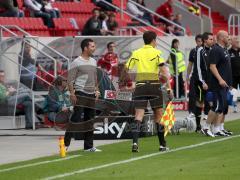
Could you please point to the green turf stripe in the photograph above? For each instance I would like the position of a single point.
(38, 163)
(138, 158)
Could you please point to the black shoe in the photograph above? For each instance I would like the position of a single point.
(227, 132)
(67, 139)
(28, 127)
(198, 129)
(220, 133)
(135, 147)
(163, 148)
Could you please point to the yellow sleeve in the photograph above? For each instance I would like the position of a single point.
(160, 59)
(132, 61)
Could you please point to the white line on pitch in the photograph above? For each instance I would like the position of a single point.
(38, 163)
(137, 158)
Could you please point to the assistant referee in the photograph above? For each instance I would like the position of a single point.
(148, 63)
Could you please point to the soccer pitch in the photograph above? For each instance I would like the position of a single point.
(191, 156)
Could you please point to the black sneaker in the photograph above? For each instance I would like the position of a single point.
(163, 148)
(135, 147)
(198, 129)
(220, 133)
(227, 132)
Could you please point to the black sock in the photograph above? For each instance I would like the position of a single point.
(135, 130)
(198, 112)
(160, 133)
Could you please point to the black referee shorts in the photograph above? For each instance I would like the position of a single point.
(148, 92)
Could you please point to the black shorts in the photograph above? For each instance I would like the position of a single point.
(200, 93)
(220, 104)
(148, 92)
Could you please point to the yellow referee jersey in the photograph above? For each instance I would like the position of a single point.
(146, 60)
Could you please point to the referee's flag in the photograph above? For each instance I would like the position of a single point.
(168, 118)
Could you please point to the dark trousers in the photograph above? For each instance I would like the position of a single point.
(191, 95)
(47, 19)
(87, 114)
(236, 81)
(180, 85)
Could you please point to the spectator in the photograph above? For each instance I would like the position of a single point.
(47, 7)
(178, 31)
(112, 23)
(194, 8)
(28, 69)
(109, 60)
(103, 18)
(93, 25)
(9, 8)
(58, 101)
(35, 8)
(176, 62)
(164, 10)
(140, 13)
(8, 95)
(235, 65)
(103, 5)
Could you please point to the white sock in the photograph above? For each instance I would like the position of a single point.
(206, 125)
(222, 126)
(216, 128)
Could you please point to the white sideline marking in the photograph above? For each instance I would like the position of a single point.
(38, 163)
(137, 158)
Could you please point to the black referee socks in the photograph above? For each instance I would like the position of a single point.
(135, 130)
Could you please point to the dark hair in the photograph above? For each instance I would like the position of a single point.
(95, 9)
(85, 43)
(199, 36)
(2, 71)
(149, 36)
(173, 42)
(109, 44)
(206, 35)
(143, 3)
(58, 81)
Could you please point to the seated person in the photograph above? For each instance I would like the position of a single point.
(59, 106)
(112, 23)
(9, 8)
(28, 69)
(8, 95)
(140, 13)
(47, 7)
(164, 10)
(194, 9)
(93, 25)
(36, 9)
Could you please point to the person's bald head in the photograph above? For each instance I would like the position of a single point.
(223, 38)
(235, 42)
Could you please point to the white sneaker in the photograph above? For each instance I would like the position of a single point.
(93, 149)
(205, 117)
(207, 132)
(191, 115)
(235, 110)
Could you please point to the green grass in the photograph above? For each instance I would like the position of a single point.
(219, 160)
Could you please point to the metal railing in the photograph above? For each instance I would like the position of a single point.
(234, 24)
(9, 28)
(207, 7)
(159, 16)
